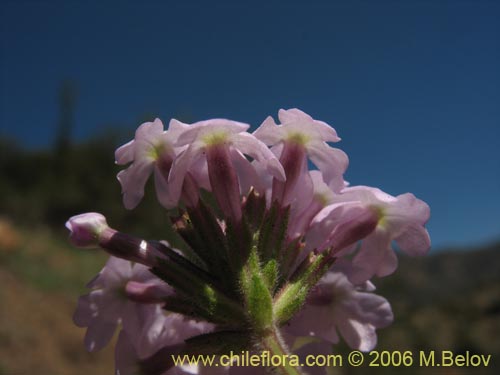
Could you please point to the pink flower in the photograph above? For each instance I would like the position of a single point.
(151, 150)
(400, 218)
(148, 349)
(336, 307)
(222, 144)
(108, 304)
(297, 136)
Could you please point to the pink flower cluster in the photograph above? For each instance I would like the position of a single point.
(356, 226)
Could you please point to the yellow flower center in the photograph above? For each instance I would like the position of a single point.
(299, 138)
(215, 138)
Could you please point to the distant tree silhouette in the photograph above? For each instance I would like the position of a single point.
(67, 104)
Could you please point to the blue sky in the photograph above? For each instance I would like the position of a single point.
(412, 87)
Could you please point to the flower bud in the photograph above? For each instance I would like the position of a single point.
(86, 229)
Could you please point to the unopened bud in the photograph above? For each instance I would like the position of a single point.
(86, 229)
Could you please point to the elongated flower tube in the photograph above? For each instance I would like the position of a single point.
(213, 141)
(92, 230)
(299, 135)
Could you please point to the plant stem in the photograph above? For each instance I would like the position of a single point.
(274, 344)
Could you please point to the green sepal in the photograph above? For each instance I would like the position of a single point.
(270, 273)
(259, 303)
(205, 236)
(258, 299)
(205, 223)
(272, 232)
(177, 241)
(254, 209)
(293, 295)
(203, 294)
(240, 242)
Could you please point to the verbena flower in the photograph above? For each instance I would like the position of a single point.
(148, 348)
(151, 151)
(222, 144)
(400, 218)
(108, 305)
(337, 307)
(298, 136)
(269, 251)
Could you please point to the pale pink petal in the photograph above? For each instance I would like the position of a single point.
(98, 335)
(176, 128)
(408, 209)
(125, 153)
(314, 321)
(247, 175)
(133, 180)
(126, 360)
(359, 336)
(373, 309)
(318, 129)
(84, 312)
(251, 146)
(149, 130)
(108, 304)
(162, 189)
(332, 162)
(268, 132)
(292, 115)
(414, 240)
(375, 257)
(180, 167)
(199, 171)
(205, 128)
(116, 270)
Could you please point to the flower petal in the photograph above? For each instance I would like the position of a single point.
(250, 145)
(414, 240)
(180, 167)
(269, 133)
(125, 154)
(375, 257)
(317, 129)
(358, 335)
(98, 335)
(133, 180)
(205, 128)
(84, 312)
(332, 162)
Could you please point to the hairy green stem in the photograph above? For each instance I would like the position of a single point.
(274, 344)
